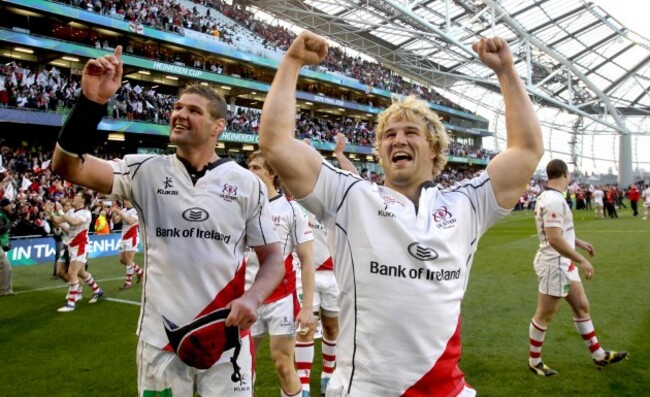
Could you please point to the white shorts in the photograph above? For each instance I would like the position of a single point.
(555, 279)
(127, 245)
(326, 293)
(277, 318)
(598, 204)
(73, 253)
(646, 203)
(160, 371)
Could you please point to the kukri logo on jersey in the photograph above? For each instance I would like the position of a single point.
(167, 185)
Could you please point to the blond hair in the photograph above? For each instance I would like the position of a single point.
(414, 109)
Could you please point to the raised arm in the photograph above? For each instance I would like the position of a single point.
(119, 214)
(100, 80)
(339, 149)
(512, 169)
(296, 164)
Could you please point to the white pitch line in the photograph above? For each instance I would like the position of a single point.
(128, 302)
(63, 285)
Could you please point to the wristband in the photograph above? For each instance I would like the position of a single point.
(79, 133)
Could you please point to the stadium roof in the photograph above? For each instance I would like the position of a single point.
(571, 54)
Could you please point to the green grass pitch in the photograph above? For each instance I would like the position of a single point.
(91, 351)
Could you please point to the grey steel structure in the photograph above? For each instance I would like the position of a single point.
(588, 73)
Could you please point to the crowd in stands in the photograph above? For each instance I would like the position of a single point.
(21, 87)
(201, 16)
(26, 179)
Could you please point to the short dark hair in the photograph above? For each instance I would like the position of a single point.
(88, 198)
(216, 102)
(556, 169)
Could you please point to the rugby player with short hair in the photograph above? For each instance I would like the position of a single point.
(408, 244)
(282, 314)
(78, 220)
(326, 294)
(129, 241)
(197, 213)
(599, 206)
(557, 274)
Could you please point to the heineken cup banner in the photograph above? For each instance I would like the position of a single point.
(42, 250)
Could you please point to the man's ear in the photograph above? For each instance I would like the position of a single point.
(219, 127)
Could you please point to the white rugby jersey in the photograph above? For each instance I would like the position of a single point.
(194, 235)
(292, 229)
(322, 258)
(130, 232)
(552, 210)
(78, 235)
(402, 271)
(598, 196)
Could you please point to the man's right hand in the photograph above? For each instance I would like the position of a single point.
(102, 77)
(307, 49)
(587, 268)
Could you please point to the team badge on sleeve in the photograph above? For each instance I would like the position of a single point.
(201, 343)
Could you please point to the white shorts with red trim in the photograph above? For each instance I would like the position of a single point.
(128, 245)
(555, 279)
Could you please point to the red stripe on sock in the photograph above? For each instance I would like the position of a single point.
(590, 335)
(594, 347)
(329, 357)
(300, 365)
(536, 343)
(535, 354)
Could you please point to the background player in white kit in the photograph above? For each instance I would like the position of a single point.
(407, 244)
(646, 201)
(326, 294)
(281, 314)
(129, 241)
(599, 206)
(196, 211)
(78, 220)
(557, 274)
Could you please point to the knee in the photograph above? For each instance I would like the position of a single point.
(331, 331)
(581, 310)
(283, 366)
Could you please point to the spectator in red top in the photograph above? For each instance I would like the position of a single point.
(610, 202)
(634, 195)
